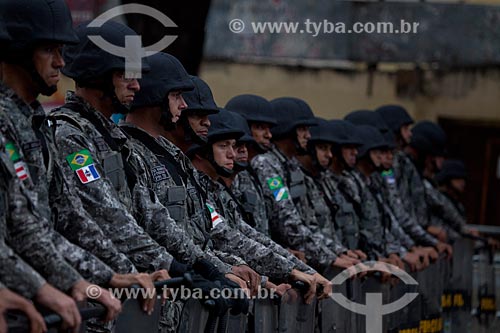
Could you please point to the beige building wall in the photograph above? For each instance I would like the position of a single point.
(333, 94)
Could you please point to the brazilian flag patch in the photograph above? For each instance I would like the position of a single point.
(12, 151)
(388, 175)
(79, 159)
(279, 190)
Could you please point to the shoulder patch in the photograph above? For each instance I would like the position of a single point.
(279, 190)
(216, 219)
(82, 163)
(159, 173)
(20, 167)
(388, 175)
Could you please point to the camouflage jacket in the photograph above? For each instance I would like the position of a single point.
(374, 224)
(443, 209)
(411, 188)
(228, 238)
(15, 273)
(256, 207)
(101, 174)
(233, 210)
(288, 220)
(409, 224)
(345, 222)
(171, 191)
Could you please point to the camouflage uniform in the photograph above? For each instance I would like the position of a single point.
(228, 238)
(257, 210)
(411, 188)
(107, 198)
(443, 212)
(288, 226)
(374, 225)
(15, 273)
(323, 215)
(396, 229)
(404, 217)
(345, 224)
(173, 195)
(234, 216)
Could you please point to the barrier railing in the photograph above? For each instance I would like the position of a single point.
(458, 295)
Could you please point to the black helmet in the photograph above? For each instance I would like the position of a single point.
(434, 134)
(4, 34)
(86, 62)
(253, 108)
(422, 144)
(90, 66)
(199, 101)
(166, 74)
(390, 139)
(367, 117)
(30, 23)
(322, 132)
(371, 138)
(290, 113)
(345, 133)
(452, 169)
(223, 125)
(395, 116)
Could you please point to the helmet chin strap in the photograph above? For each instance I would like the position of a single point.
(240, 166)
(221, 171)
(189, 134)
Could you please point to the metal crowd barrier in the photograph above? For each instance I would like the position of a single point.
(455, 296)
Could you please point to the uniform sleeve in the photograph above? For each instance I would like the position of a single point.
(31, 237)
(75, 224)
(263, 260)
(269, 243)
(285, 222)
(17, 275)
(90, 267)
(101, 200)
(447, 213)
(408, 223)
(229, 258)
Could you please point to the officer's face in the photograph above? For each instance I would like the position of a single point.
(125, 89)
(406, 133)
(376, 156)
(458, 184)
(241, 152)
(387, 159)
(324, 154)
(438, 160)
(261, 132)
(224, 153)
(48, 62)
(303, 135)
(176, 103)
(199, 124)
(349, 154)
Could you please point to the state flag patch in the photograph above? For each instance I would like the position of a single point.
(88, 174)
(279, 190)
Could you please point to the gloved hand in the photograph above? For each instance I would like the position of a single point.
(178, 269)
(238, 302)
(221, 304)
(208, 270)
